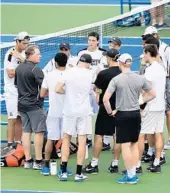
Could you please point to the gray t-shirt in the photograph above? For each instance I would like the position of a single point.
(128, 87)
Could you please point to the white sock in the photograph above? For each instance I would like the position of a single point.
(150, 151)
(131, 172)
(115, 162)
(156, 162)
(89, 137)
(94, 162)
(162, 154)
(106, 139)
(138, 164)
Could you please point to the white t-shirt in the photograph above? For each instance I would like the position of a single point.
(10, 62)
(77, 88)
(96, 55)
(164, 51)
(50, 66)
(155, 74)
(56, 101)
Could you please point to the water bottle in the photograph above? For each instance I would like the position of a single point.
(53, 168)
(142, 21)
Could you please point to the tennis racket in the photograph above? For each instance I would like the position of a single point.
(6, 151)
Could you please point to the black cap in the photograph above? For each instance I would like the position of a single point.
(64, 45)
(116, 41)
(112, 53)
(86, 58)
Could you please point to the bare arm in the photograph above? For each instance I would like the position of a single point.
(60, 88)
(43, 92)
(106, 102)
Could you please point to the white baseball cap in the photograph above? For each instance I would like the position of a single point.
(124, 57)
(21, 36)
(150, 30)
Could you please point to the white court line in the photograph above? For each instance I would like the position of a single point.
(35, 191)
(66, 4)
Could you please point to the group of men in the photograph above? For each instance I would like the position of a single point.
(96, 78)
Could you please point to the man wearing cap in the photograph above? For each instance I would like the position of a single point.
(128, 86)
(13, 58)
(164, 52)
(76, 85)
(105, 124)
(114, 43)
(64, 47)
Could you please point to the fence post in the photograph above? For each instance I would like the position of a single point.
(121, 6)
(101, 36)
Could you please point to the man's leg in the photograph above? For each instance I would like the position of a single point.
(38, 144)
(26, 138)
(141, 148)
(18, 129)
(11, 131)
(116, 155)
(81, 153)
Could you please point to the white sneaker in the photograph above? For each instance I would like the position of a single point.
(63, 177)
(80, 178)
(28, 165)
(167, 145)
(37, 166)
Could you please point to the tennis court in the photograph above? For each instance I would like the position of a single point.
(38, 19)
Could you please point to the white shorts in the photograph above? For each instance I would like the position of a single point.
(12, 106)
(77, 125)
(54, 128)
(152, 122)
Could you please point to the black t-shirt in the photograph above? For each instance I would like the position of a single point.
(102, 81)
(28, 80)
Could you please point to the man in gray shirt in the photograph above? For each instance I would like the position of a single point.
(128, 86)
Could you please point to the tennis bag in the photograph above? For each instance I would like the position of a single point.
(12, 157)
(134, 20)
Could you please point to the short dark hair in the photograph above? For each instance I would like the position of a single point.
(152, 49)
(61, 59)
(30, 50)
(145, 37)
(152, 40)
(94, 34)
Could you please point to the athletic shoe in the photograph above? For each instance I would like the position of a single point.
(45, 171)
(37, 166)
(63, 177)
(90, 170)
(163, 26)
(148, 158)
(138, 171)
(113, 169)
(106, 147)
(162, 160)
(28, 165)
(89, 143)
(154, 169)
(69, 172)
(126, 180)
(167, 145)
(80, 178)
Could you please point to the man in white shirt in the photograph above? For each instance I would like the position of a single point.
(76, 113)
(56, 103)
(164, 51)
(96, 53)
(64, 47)
(153, 114)
(13, 58)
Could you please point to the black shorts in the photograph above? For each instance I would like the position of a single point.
(128, 126)
(105, 124)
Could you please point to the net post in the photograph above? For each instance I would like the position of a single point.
(101, 36)
(130, 5)
(121, 6)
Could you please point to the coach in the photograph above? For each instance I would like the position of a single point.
(28, 79)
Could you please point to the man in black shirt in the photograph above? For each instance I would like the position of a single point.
(105, 124)
(28, 80)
